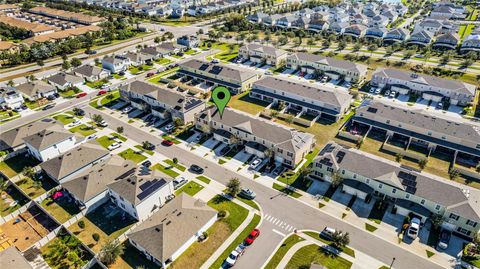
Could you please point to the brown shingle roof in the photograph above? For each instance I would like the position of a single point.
(48, 137)
(33, 27)
(14, 137)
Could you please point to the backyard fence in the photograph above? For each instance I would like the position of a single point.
(15, 213)
(13, 154)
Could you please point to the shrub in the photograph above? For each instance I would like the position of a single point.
(96, 237)
(205, 235)
(81, 224)
(222, 214)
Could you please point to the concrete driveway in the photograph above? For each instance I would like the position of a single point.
(394, 220)
(242, 156)
(135, 113)
(362, 209)
(210, 143)
(193, 137)
(219, 148)
(318, 187)
(342, 198)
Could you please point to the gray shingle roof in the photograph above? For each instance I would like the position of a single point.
(45, 138)
(175, 99)
(220, 70)
(443, 83)
(420, 118)
(134, 184)
(172, 226)
(35, 87)
(74, 159)
(316, 92)
(341, 64)
(64, 78)
(88, 70)
(95, 180)
(14, 137)
(283, 137)
(387, 172)
(264, 49)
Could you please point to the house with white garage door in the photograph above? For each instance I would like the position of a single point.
(429, 87)
(409, 191)
(141, 193)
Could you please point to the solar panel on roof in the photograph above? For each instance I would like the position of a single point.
(203, 67)
(156, 184)
(372, 110)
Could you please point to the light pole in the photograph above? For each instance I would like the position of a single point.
(393, 260)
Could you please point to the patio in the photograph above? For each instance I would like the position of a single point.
(108, 221)
(62, 208)
(132, 258)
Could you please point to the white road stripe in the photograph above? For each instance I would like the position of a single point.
(277, 232)
(277, 221)
(280, 224)
(288, 226)
(273, 220)
(291, 228)
(267, 217)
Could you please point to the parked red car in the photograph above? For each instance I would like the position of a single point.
(102, 92)
(150, 74)
(252, 236)
(167, 143)
(82, 94)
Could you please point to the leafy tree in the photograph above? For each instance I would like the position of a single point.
(372, 48)
(76, 62)
(97, 118)
(235, 140)
(340, 239)
(81, 224)
(28, 171)
(66, 65)
(120, 129)
(110, 251)
(157, 39)
(408, 54)
(453, 173)
(233, 186)
(422, 163)
(96, 237)
(357, 47)
(175, 160)
(436, 220)
(76, 111)
(336, 179)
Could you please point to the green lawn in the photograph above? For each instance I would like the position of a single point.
(245, 103)
(139, 147)
(65, 118)
(176, 165)
(7, 114)
(430, 253)
(117, 76)
(284, 248)
(176, 56)
(165, 170)
(107, 223)
(96, 84)
(163, 61)
(83, 130)
(11, 195)
(191, 188)
(240, 238)
(130, 154)
(60, 210)
(32, 190)
(68, 94)
(191, 52)
(204, 179)
(13, 166)
(370, 228)
(279, 187)
(119, 136)
(317, 236)
(199, 252)
(249, 202)
(132, 258)
(105, 141)
(309, 254)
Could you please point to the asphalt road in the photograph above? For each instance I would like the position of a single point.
(81, 101)
(283, 207)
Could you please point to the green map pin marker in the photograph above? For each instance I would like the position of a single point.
(221, 96)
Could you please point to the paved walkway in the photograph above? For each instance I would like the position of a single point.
(227, 242)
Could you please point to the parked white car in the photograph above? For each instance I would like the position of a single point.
(232, 258)
(114, 146)
(170, 127)
(414, 228)
(127, 109)
(75, 123)
(256, 163)
(103, 123)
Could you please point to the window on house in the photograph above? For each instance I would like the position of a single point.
(354, 175)
(394, 190)
(422, 202)
(407, 196)
(343, 172)
(453, 216)
(437, 207)
(329, 169)
(471, 223)
(380, 185)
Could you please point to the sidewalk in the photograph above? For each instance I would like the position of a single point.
(288, 256)
(229, 241)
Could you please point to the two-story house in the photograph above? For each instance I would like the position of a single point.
(63, 80)
(10, 98)
(91, 73)
(258, 135)
(36, 89)
(315, 100)
(263, 54)
(334, 68)
(116, 63)
(410, 192)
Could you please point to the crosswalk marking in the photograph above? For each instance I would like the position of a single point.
(277, 222)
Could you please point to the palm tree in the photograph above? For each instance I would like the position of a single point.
(110, 251)
(235, 140)
(28, 172)
(270, 154)
(97, 118)
(336, 179)
(340, 239)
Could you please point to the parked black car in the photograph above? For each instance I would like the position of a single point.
(147, 163)
(80, 112)
(196, 169)
(47, 107)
